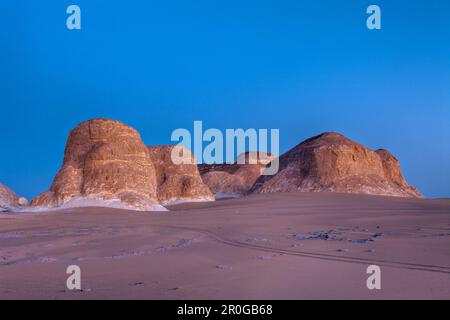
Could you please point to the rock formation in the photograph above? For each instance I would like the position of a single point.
(235, 179)
(177, 182)
(105, 163)
(10, 200)
(334, 163)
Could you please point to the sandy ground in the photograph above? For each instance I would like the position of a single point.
(278, 246)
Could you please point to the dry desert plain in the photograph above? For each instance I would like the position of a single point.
(264, 246)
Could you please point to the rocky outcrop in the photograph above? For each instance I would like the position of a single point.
(331, 162)
(235, 179)
(105, 163)
(9, 200)
(177, 182)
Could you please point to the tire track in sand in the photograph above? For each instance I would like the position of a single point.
(314, 255)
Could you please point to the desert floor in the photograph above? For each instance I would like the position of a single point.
(277, 246)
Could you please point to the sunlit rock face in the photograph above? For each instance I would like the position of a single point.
(177, 182)
(105, 162)
(331, 162)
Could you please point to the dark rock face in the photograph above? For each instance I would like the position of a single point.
(235, 179)
(331, 162)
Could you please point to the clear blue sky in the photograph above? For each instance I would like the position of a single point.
(301, 66)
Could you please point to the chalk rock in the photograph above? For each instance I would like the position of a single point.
(331, 162)
(177, 182)
(105, 164)
(235, 179)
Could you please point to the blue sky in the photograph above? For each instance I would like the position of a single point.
(304, 67)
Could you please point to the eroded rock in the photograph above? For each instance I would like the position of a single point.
(177, 182)
(105, 163)
(331, 162)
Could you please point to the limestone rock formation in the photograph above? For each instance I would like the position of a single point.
(235, 179)
(334, 163)
(107, 164)
(177, 182)
(9, 200)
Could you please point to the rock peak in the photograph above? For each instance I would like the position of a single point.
(327, 138)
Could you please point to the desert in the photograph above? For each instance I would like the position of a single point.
(139, 226)
(237, 152)
(264, 246)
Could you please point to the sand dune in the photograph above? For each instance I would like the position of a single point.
(266, 246)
